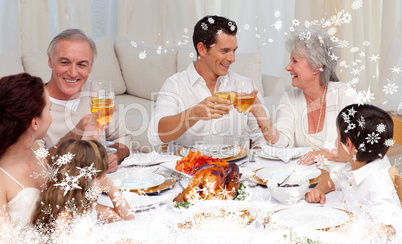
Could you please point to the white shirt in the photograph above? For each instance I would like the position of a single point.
(369, 192)
(292, 120)
(186, 89)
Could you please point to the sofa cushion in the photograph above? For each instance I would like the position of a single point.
(247, 64)
(106, 66)
(10, 64)
(145, 67)
(35, 63)
(136, 114)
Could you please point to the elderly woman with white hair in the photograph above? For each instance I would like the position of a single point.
(306, 116)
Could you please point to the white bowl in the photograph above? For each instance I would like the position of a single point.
(288, 194)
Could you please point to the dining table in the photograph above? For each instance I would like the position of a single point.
(159, 219)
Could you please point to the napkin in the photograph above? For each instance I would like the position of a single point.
(136, 202)
(144, 159)
(284, 154)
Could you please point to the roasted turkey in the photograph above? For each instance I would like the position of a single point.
(212, 182)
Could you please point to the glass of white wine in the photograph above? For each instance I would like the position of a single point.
(102, 100)
(226, 90)
(244, 99)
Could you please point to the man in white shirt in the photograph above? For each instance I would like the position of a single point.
(71, 55)
(186, 109)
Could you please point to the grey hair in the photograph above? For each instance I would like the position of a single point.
(319, 50)
(72, 34)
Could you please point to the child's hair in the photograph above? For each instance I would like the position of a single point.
(80, 160)
(369, 128)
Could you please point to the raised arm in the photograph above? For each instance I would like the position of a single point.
(172, 127)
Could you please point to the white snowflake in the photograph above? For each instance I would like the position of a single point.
(372, 138)
(211, 20)
(295, 22)
(321, 160)
(332, 31)
(352, 111)
(133, 43)
(329, 145)
(354, 49)
(381, 128)
(233, 28)
(337, 19)
(390, 88)
(142, 55)
(351, 92)
(41, 153)
(191, 55)
(362, 54)
(247, 27)
(333, 56)
(64, 159)
(365, 96)
(277, 24)
(356, 4)
(204, 26)
(326, 23)
(396, 70)
(119, 199)
(88, 171)
(389, 142)
(343, 44)
(347, 18)
(351, 126)
(69, 183)
(361, 122)
(304, 36)
(277, 13)
(375, 58)
(362, 147)
(219, 32)
(366, 43)
(354, 81)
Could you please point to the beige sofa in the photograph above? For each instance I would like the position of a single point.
(137, 71)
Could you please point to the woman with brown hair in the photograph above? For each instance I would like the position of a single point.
(25, 118)
(78, 176)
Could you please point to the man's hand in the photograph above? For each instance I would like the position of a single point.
(209, 108)
(113, 163)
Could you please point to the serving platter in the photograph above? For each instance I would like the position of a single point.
(241, 152)
(145, 182)
(310, 217)
(254, 178)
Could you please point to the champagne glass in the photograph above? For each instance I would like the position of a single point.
(244, 99)
(102, 100)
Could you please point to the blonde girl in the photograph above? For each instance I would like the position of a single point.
(75, 178)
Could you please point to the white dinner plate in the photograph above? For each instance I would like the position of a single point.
(135, 201)
(308, 172)
(284, 154)
(131, 180)
(221, 151)
(310, 217)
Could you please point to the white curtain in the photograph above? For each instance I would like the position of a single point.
(369, 31)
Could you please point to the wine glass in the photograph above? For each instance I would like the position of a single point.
(244, 99)
(102, 100)
(226, 90)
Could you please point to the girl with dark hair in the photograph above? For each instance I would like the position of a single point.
(25, 118)
(363, 184)
(84, 165)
